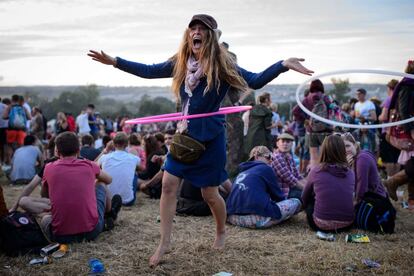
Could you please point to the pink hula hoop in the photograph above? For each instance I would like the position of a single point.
(178, 116)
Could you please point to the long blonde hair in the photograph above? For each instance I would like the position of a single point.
(218, 64)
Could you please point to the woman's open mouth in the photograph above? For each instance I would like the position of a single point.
(197, 43)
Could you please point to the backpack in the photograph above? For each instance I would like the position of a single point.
(17, 117)
(20, 234)
(321, 109)
(397, 136)
(375, 213)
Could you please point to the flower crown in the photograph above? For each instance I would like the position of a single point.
(410, 62)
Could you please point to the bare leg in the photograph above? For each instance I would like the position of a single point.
(218, 208)
(35, 205)
(168, 205)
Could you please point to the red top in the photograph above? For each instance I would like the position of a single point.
(71, 184)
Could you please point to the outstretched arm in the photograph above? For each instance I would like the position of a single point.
(258, 80)
(160, 70)
(296, 65)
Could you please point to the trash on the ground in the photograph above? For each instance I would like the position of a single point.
(7, 266)
(325, 236)
(96, 266)
(351, 268)
(49, 249)
(63, 249)
(404, 204)
(222, 273)
(370, 263)
(44, 260)
(357, 238)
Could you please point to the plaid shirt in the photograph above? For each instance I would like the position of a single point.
(285, 168)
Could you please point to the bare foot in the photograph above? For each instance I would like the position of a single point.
(219, 241)
(156, 258)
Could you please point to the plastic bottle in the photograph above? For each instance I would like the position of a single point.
(96, 267)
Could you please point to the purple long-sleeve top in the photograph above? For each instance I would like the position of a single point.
(367, 178)
(332, 188)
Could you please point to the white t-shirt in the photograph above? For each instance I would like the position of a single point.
(121, 166)
(83, 123)
(363, 109)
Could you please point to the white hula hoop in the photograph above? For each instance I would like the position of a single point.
(350, 71)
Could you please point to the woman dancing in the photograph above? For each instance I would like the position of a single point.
(202, 72)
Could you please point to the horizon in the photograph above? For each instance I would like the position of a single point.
(48, 46)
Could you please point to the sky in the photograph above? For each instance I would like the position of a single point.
(45, 42)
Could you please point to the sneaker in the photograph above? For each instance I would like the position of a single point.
(116, 206)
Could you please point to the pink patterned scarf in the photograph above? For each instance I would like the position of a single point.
(194, 73)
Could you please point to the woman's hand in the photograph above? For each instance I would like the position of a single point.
(295, 64)
(102, 57)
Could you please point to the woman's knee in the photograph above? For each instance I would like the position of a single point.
(210, 195)
(170, 184)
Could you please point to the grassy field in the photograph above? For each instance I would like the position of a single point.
(289, 249)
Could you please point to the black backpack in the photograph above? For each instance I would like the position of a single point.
(375, 213)
(20, 234)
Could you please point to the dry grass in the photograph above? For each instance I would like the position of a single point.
(289, 249)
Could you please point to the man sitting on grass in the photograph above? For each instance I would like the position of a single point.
(78, 196)
(25, 161)
(121, 166)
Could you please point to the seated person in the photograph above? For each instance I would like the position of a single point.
(369, 190)
(122, 167)
(401, 178)
(290, 181)
(88, 150)
(255, 200)
(191, 202)
(153, 186)
(78, 195)
(365, 166)
(327, 195)
(153, 165)
(24, 161)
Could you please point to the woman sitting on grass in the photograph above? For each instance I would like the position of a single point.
(256, 200)
(327, 196)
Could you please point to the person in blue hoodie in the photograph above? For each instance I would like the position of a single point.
(256, 200)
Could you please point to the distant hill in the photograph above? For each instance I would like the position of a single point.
(280, 93)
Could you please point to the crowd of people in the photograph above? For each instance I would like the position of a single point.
(91, 166)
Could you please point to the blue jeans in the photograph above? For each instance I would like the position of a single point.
(88, 236)
(134, 189)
